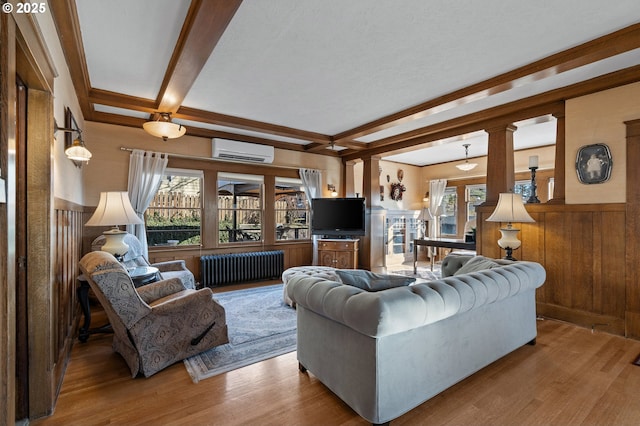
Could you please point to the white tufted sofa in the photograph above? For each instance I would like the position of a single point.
(386, 352)
(324, 272)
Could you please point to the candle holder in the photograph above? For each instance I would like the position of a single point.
(533, 198)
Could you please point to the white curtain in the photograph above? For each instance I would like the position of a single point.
(145, 174)
(312, 183)
(436, 194)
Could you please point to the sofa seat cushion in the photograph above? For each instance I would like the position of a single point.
(475, 264)
(371, 281)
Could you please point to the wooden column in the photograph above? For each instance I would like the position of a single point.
(559, 167)
(371, 254)
(632, 244)
(500, 169)
(349, 179)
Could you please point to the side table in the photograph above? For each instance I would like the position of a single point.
(140, 276)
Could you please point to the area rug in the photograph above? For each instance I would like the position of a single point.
(260, 326)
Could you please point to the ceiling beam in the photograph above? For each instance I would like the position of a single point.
(601, 48)
(205, 23)
(544, 103)
(65, 18)
(247, 124)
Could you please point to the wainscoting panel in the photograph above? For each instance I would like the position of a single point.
(67, 253)
(582, 248)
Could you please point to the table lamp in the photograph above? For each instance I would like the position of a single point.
(510, 209)
(114, 209)
(424, 217)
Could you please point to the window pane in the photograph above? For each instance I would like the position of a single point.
(292, 210)
(448, 220)
(523, 187)
(239, 207)
(174, 215)
(477, 194)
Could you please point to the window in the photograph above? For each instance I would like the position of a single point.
(292, 210)
(239, 207)
(523, 187)
(476, 195)
(448, 212)
(174, 215)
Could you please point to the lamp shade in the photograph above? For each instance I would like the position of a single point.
(114, 208)
(510, 208)
(425, 215)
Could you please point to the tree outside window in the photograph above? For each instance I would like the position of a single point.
(448, 212)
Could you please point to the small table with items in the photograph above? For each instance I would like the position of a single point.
(439, 242)
(140, 275)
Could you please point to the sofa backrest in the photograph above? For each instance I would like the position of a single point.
(402, 308)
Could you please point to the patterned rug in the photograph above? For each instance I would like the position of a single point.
(260, 327)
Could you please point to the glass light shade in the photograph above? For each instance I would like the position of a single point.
(510, 208)
(114, 208)
(164, 129)
(425, 215)
(78, 152)
(466, 166)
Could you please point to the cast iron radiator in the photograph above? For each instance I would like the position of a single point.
(218, 269)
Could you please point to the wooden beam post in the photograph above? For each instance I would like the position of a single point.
(500, 169)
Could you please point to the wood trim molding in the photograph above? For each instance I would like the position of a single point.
(632, 245)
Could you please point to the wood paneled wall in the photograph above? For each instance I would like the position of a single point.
(67, 246)
(295, 254)
(582, 248)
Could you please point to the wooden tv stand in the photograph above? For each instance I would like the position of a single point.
(337, 253)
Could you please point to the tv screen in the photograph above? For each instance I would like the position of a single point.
(337, 217)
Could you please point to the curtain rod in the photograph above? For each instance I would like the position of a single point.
(195, 157)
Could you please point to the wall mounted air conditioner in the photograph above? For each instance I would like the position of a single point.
(226, 149)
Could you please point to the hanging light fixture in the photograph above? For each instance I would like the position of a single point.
(164, 128)
(466, 166)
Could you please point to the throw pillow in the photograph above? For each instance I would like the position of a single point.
(477, 263)
(371, 281)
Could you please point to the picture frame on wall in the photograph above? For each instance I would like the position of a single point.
(594, 163)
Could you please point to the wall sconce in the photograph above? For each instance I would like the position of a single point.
(74, 148)
(332, 189)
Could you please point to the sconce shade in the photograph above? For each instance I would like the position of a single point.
(78, 152)
(510, 208)
(164, 128)
(114, 208)
(332, 189)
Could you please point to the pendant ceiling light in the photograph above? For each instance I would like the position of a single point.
(466, 166)
(164, 128)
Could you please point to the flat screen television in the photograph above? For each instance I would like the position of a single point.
(337, 217)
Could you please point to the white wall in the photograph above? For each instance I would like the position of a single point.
(67, 178)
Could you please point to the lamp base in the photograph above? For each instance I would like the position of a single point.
(509, 241)
(508, 256)
(114, 243)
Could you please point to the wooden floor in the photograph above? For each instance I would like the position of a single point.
(573, 376)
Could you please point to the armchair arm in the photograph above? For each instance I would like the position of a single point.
(160, 289)
(171, 265)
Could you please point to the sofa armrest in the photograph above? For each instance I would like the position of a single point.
(160, 289)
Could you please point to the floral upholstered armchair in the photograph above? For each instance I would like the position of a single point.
(134, 257)
(158, 324)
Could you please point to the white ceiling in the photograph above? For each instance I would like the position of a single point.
(328, 66)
